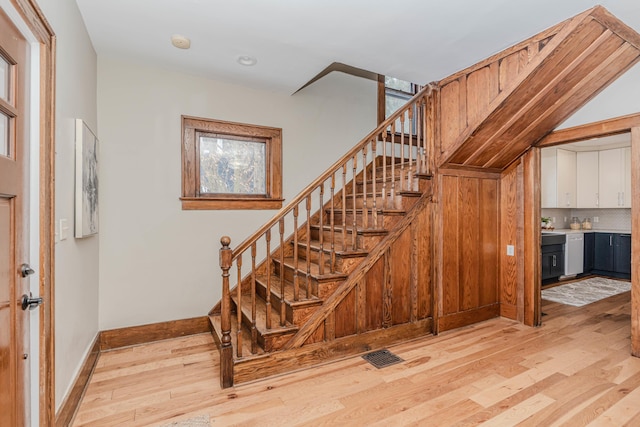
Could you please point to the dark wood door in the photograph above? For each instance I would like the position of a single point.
(603, 252)
(14, 327)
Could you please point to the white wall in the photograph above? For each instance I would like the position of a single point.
(76, 261)
(158, 262)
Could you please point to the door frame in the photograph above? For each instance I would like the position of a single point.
(618, 125)
(34, 18)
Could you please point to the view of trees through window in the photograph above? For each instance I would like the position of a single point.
(232, 166)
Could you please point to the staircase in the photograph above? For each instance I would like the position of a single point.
(341, 269)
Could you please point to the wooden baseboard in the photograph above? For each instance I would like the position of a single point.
(68, 409)
(457, 320)
(508, 311)
(134, 335)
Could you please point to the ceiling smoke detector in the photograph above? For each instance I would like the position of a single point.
(247, 60)
(181, 42)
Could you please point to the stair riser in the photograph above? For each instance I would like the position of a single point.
(364, 242)
(383, 221)
(268, 342)
(387, 202)
(293, 314)
(411, 185)
(342, 264)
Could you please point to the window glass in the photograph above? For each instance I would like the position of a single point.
(397, 84)
(4, 135)
(229, 166)
(4, 79)
(393, 101)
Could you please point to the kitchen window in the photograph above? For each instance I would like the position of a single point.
(228, 165)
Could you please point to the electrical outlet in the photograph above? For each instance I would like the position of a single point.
(565, 219)
(511, 250)
(553, 219)
(596, 219)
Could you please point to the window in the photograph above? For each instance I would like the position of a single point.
(394, 93)
(230, 165)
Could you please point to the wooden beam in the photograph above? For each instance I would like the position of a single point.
(602, 128)
(635, 241)
(532, 260)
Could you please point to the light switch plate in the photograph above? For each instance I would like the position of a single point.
(64, 229)
(511, 250)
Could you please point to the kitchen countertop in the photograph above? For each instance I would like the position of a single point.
(569, 231)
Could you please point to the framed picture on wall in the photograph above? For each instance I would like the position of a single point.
(86, 218)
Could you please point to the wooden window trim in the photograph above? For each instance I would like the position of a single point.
(192, 199)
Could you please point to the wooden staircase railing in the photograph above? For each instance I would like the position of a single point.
(400, 148)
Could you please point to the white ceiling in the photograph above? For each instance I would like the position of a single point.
(293, 40)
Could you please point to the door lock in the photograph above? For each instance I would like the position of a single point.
(26, 270)
(29, 302)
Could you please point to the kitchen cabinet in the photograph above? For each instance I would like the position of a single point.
(552, 261)
(587, 179)
(589, 252)
(558, 173)
(612, 254)
(614, 178)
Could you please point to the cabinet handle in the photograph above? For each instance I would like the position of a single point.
(611, 240)
(554, 260)
(622, 204)
(568, 199)
(597, 199)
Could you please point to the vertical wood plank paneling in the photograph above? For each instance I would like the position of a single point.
(374, 289)
(508, 236)
(400, 259)
(469, 255)
(531, 176)
(511, 66)
(330, 327)
(361, 306)
(488, 241)
(520, 246)
(449, 110)
(463, 117)
(425, 264)
(481, 89)
(345, 321)
(387, 291)
(415, 236)
(450, 288)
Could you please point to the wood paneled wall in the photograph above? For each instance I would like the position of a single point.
(398, 288)
(470, 221)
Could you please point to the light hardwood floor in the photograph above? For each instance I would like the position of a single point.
(574, 370)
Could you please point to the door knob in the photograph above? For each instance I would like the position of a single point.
(26, 270)
(29, 302)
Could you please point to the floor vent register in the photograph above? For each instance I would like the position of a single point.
(382, 358)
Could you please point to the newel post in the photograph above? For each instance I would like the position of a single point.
(226, 351)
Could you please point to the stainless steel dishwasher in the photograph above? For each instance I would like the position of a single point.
(574, 254)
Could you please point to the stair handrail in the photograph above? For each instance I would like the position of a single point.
(242, 247)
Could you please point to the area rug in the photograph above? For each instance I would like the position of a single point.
(585, 291)
(199, 421)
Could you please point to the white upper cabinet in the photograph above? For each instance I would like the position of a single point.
(615, 178)
(558, 185)
(587, 179)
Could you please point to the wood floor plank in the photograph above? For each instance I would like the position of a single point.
(574, 370)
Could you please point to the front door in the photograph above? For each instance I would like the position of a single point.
(14, 327)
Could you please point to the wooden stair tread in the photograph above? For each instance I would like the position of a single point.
(349, 229)
(314, 270)
(261, 316)
(216, 326)
(349, 253)
(288, 292)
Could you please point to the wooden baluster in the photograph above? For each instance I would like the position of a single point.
(420, 136)
(226, 349)
(402, 143)
(353, 198)
(374, 209)
(384, 169)
(268, 291)
(332, 259)
(296, 283)
(321, 253)
(254, 330)
(393, 165)
(308, 246)
(344, 207)
(239, 312)
(410, 164)
(283, 313)
(365, 213)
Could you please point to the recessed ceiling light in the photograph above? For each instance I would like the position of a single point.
(247, 60)
(181, 42)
